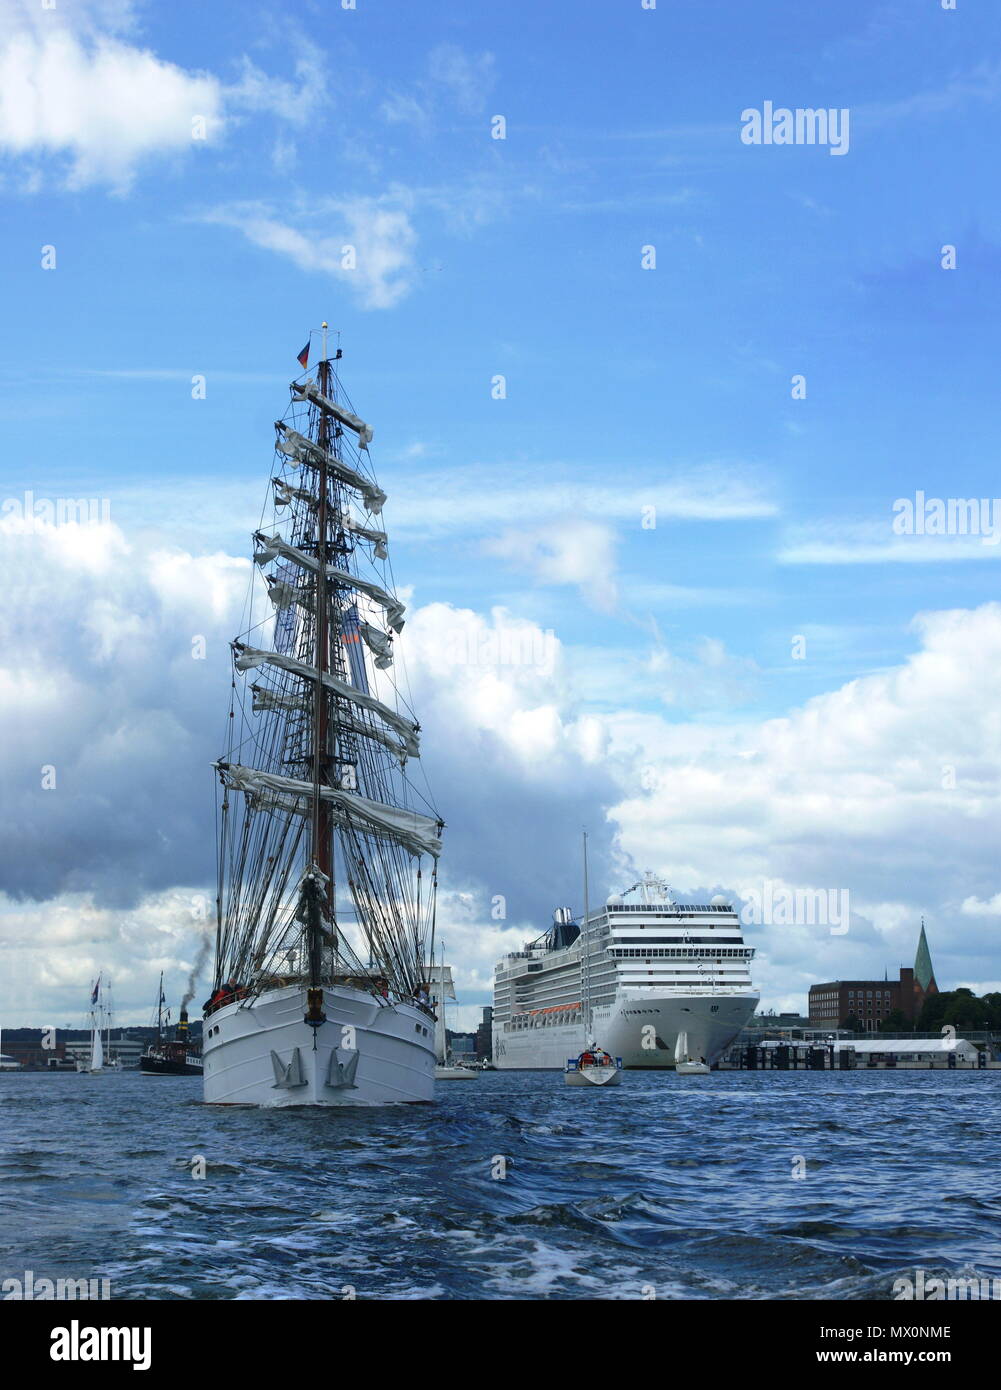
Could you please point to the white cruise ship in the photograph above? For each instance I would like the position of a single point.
(658, 968)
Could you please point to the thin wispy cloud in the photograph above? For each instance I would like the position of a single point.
(873, 543)
(453, 500)
(373, 255)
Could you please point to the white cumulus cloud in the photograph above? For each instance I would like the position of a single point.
(70, 88)
(78, 88)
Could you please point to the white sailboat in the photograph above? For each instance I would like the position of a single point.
(98, 1022)
(446, 1068)
(684, 1062)
(324, 912)
(594, 1066)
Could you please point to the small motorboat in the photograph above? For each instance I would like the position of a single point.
(685, 1063)
(594, 1067)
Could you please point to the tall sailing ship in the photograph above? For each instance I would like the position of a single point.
(656, 970)
(328, 846)
(100, 1059)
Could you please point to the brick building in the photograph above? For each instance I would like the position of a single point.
(871, 1001)
(25, 1046)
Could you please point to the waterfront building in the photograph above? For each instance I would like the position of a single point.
(873, 1001)
(24, 1046)
(933, 1049)
(484, 1038)
(778, 1023)
(58, 1049)
(125, 1051)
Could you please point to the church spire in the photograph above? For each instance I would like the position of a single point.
(924, 974)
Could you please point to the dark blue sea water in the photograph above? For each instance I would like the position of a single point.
(678, 1187)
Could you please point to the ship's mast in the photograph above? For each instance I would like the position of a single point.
(322, 848)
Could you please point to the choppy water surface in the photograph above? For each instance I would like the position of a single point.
(678, 1186)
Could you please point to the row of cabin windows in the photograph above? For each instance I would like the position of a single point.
(685, 977)
(679, 940)
(739, 953)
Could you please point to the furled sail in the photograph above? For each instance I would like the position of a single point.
(286, 494)
(249, 657)
(302, 450)
(283, 595)
(265, 699)
(416, 832)
(368, 534)
(311, 392)
(272, 546)
(394, 608)
(377, 642)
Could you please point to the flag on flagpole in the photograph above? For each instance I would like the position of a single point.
(303, 357)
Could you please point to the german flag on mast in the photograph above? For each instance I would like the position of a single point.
(303, 357)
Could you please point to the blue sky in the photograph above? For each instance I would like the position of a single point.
(626, 388)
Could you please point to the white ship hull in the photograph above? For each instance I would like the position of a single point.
(261, 1051)
(640, 1028)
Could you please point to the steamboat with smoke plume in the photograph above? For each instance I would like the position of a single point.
(176, 1056)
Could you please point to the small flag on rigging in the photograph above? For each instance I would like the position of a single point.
(96, 990)
(303, 357)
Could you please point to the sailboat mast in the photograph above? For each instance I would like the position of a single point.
(446, 1060)
(586, 956)
(159, 1009)
(441, 1031)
